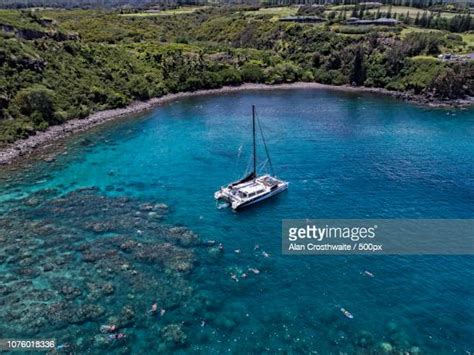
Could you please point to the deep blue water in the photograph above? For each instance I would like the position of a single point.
(346, 156)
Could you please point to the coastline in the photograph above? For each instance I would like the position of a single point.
(25, 146)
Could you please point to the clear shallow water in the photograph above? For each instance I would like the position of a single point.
(345, 155)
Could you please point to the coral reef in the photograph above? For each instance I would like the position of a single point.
(84, 258)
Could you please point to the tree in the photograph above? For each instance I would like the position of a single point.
(361, 11)
(417, 19)
(252, 73)
(357, 75)
(424, 20)
(449, 83)
(354, 11)
(406, 20)
(37, 103)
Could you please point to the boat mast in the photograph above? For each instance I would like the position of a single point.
(254, 144)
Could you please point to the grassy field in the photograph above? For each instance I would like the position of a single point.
(178, 11)
(12, 17)
(451, 46)
(424, 57)
(411, 29)
(276, 12)
(469, 39)
(404, 9)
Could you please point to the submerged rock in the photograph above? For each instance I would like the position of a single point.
(99, 227)
(364, 339)
(160, 206)
(70, 292)
(385, 348)
(108, 288)
(173, 335)
(182, 236)
(215, 252)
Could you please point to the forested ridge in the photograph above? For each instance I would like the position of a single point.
(62, 64)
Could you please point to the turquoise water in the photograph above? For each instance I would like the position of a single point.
(345, 155)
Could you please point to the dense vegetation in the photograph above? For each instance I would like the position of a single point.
(59, 65)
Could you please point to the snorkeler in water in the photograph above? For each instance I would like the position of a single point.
(116, 336)
(368, 273)
(255, 271)
(154, 308)
(108, 328)
(62, 346)
(347, 313)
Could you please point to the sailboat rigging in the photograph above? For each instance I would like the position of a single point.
(252, 188)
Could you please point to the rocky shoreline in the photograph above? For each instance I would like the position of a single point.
(24, 147)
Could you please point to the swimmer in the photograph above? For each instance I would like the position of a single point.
(368, 273)
(234, 277)
(256, 247)
(203, 323)
(265, 254)
(63, 346)
(347, 313)
(154, 308)
(108, 328)
(117, 336)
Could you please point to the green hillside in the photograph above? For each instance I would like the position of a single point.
(62, 64)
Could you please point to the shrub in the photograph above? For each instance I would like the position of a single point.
(449, 83)
(36, 102)
(231, 76)
(454, 37)
(354, 30)
(116, 99)
(252, 73)
(423, 43)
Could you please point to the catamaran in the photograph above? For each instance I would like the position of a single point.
(252, 188)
